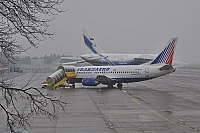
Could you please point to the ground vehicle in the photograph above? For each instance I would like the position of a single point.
(45, 85)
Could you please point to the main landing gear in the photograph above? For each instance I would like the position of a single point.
(73, 86)
(119, 85)
(110, 86)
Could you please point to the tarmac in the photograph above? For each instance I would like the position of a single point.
(169, 104)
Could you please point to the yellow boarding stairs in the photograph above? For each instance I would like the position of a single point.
(65, 80)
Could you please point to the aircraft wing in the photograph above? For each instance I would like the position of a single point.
(104, 79)
(145, 58)
(70, 58)
(75, 62)
(96, 57)
(72, 61)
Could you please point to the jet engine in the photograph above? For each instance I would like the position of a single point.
(89, 82)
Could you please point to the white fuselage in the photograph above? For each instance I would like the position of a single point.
(120, 74)
(118, 59)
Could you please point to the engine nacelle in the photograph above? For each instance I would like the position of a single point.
(89, 82)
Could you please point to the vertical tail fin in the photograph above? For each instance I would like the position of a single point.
(90, 41)
(166, 56)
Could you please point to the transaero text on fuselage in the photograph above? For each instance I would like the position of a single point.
(94, 69)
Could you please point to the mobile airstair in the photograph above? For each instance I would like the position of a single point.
(61, 77)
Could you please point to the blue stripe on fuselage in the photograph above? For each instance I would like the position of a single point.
(117, 80)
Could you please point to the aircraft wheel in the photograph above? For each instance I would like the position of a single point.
(110, 85)
(73, 86)
(119, 85)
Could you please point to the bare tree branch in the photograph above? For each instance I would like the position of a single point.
(28, 19)
(39, 104)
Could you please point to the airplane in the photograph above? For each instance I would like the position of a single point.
(119, 74)
(100, 58)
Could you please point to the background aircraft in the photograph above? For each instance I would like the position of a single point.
(100, 58)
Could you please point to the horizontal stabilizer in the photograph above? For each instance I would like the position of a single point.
(166, 67)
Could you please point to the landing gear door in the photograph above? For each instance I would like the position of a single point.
(146, 72)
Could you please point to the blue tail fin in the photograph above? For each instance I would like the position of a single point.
(90, 41)
(166, 56)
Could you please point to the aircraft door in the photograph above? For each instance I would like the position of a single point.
(146, 72)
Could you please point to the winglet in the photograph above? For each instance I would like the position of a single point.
(166, 56)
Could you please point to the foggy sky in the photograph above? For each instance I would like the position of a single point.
(126, 26)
